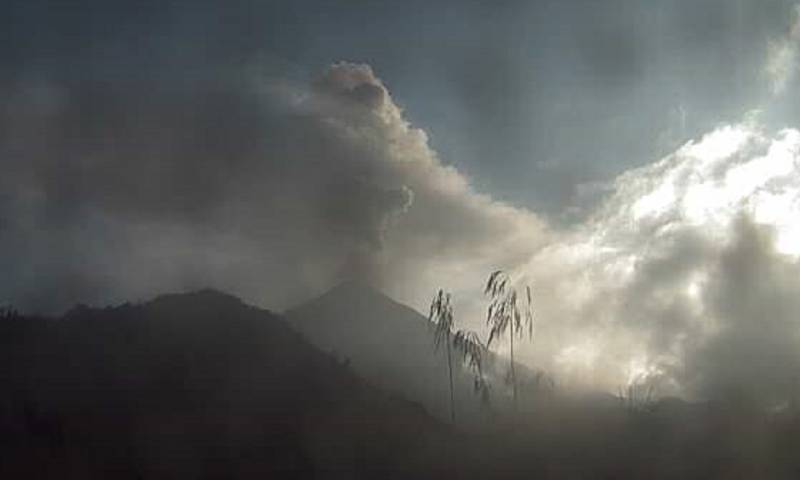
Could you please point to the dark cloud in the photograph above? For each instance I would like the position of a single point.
(502, 86)
(753, 290)
(266, 188)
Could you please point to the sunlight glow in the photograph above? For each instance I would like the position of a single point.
(691, 198)
(718, 145)
(640, 370)
(578, 356)
(709, 183)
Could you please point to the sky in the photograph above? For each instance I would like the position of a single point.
(636, 162)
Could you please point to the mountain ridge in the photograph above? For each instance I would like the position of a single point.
(194, 385)
(392, 345)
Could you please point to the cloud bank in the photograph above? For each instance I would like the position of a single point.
(271, 190)
(685, 275)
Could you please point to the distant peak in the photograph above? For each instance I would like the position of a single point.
(355, 286)
(350, 293)
(359, 289)
(206, 295)
(205, 298)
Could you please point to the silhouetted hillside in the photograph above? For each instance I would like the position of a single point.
(194, 386)
(200, 385)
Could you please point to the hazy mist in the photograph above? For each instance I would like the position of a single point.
(638, 164)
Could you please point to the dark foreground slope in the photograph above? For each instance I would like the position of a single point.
(203, 386)
(196, 386)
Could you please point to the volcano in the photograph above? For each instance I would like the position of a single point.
(391, 345)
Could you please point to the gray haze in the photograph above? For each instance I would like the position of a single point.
(638, 163)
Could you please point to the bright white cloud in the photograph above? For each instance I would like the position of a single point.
(650, 275)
